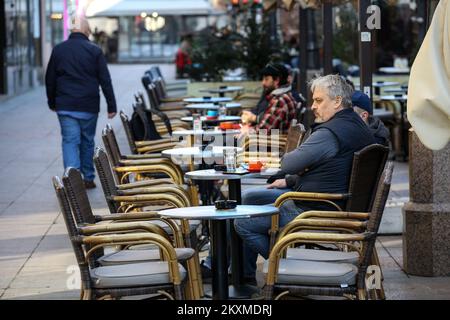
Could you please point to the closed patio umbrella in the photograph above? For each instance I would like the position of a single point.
(429, 83)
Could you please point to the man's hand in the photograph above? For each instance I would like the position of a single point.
(248, 117)
(111, 115)
(278, 184)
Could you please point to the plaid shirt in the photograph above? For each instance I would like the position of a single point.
(280, 111)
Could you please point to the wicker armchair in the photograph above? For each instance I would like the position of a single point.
(83, 214)
(162, 278)
(126, 197)
(367, 167)
(174, 85)
(316, 277)
(145, 146)
(119, 160)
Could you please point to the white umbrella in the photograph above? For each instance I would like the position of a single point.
(429, 83)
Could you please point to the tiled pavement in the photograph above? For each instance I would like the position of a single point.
(36, 258)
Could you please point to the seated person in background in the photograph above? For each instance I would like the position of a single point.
(321, 164)
(363, 107)
(277, 108)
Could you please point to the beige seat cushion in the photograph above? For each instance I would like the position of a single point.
(323, 255)
(134, 256)
(133, 275)
(315, 273)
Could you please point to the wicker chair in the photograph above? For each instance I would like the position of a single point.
(156, 99)
(173, 85)
(316, 277)
(83, 214)
(120, 198)
(146, 146)
(161, 120)
(164, 278)
(120, 161)
(367, 167)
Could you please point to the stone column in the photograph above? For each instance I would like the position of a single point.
(426, 217)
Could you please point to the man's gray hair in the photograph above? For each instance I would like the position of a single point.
(335, 86)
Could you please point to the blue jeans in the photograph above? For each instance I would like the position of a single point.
(254, 231)
(78, 144)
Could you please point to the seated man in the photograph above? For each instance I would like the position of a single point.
(363, 107)
(276, 108)
(321, 164)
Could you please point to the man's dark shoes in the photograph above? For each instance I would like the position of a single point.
(89, 184)
(250, 281)
(206, 273)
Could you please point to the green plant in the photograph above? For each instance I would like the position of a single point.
(256, 45)
(212, 54)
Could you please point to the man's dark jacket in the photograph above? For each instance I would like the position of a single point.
(333, 175)
(75, 71)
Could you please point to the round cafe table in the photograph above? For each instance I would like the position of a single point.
(213, 121)
(208, 156)
(212, 106)
(222, 90)
(207, 100)
(218, 219)
(199, 136)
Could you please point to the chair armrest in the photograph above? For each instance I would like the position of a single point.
(156, 197)
(144, 183)
(311, 196)
(333, 214)
(138, 162)
(145, 143)
(156, 168)
(123, 227)
(145, 216)
(166, 247)
(173, 190)
(160, 147)
(322, 225)
(143, 156)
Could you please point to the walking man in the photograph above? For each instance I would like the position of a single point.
(76, 69)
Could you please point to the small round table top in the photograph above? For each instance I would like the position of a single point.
(218, 119)
(212, 106)
(403, 97)
(211, 174)
(223, 90)
(197, 152)
(381, 84)
(206, 100)
(394, 70)
(184, 133)
(211, 213)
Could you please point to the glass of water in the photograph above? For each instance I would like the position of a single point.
(230, 159)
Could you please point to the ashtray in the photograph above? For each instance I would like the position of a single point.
(225, 204)
(220, 167)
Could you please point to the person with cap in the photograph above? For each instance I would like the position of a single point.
(277, 106)
(76, 70)
(363, 106)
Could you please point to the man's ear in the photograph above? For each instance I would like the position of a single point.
(338, 101)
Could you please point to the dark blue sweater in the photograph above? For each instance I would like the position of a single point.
(75, 71)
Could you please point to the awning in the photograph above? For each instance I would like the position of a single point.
(429, 83)
(116, 8)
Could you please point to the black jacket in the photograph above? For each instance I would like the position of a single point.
(75, 71)
(380, 132)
